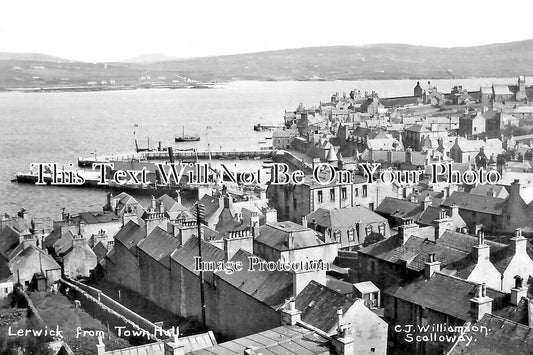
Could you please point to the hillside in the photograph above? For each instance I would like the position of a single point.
(379, 61)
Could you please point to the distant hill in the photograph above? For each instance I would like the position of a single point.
(33, 57)
(149, 58)
(378, 61)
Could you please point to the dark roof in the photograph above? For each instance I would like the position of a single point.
(276, 236)
(5, 271)
(269, 287)
(159, 245)
(9, 239)
(287, 340)
(97, 217)
(414, 253)
(344, 217)
(398, 208)
(477, 203)
(319, 304)
(185, 255)
(518, 313)
(340, 286)
(436, 294)
(504, 337)
(100, 251)
(130, 234)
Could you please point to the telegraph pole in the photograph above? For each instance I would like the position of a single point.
(200, 213)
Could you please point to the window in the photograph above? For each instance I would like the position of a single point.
(332, 194)
(343, 193)
(294, 203)
(368, 229)
(381, 229)
(351, 234)
(337, 236)
(474, 214)
(365, 190)
(371, 206)
(494, 218)
(356, 192)
(320, 198)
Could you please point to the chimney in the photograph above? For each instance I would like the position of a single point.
(406, 230)
(481, 303)
(304, 221)
(519, 291)
(515, 189)
(236, 240)
(480, 251)
(175, 346)
(454, 211)
(100, 347)
(343, 341)
(289, 314)
(290, 240)
(442, 223)
(426, 202)
(518, 243)
(431, 266)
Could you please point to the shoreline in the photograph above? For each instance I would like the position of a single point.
(213, 85)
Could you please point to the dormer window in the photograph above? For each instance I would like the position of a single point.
(337, 236)
(351, 234)
(368, 230)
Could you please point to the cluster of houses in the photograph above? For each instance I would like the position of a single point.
(409, 268)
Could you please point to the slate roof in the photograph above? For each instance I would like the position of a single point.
(170, 204)
(340, 286)
(192, 343)
(269, 287)
(504, 337)
(435, 294)
(344, 217)
(477, 203)
(415, 252)
(276, 235)
(287, 340)
(9, 239)
(398, 208)
(159, 245)
(518, 313)
(319, 304)
(96, 217)
(130, 234)
(417, 128)
(185, 255)
(100, 250)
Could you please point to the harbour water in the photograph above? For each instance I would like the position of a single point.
(60, 127)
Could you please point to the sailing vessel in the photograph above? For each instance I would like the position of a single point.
(185, 138)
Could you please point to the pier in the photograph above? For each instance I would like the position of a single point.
(181, 155)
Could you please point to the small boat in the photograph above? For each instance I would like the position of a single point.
(185, 138)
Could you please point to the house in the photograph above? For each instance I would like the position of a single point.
(472, 123)
(293, 202)
(324, 308)
(174, 345)
(430, 300)
(80, 260)
(282, 139)
(503, 336)
(89, 223)
(350, 226)
(123, 205)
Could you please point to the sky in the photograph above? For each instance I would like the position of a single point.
(109, 30)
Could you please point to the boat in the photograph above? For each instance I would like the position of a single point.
(260, 127)
(184, 138)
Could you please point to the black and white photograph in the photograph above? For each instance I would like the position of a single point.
(226, 177)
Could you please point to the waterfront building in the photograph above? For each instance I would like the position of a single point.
(349, 227)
